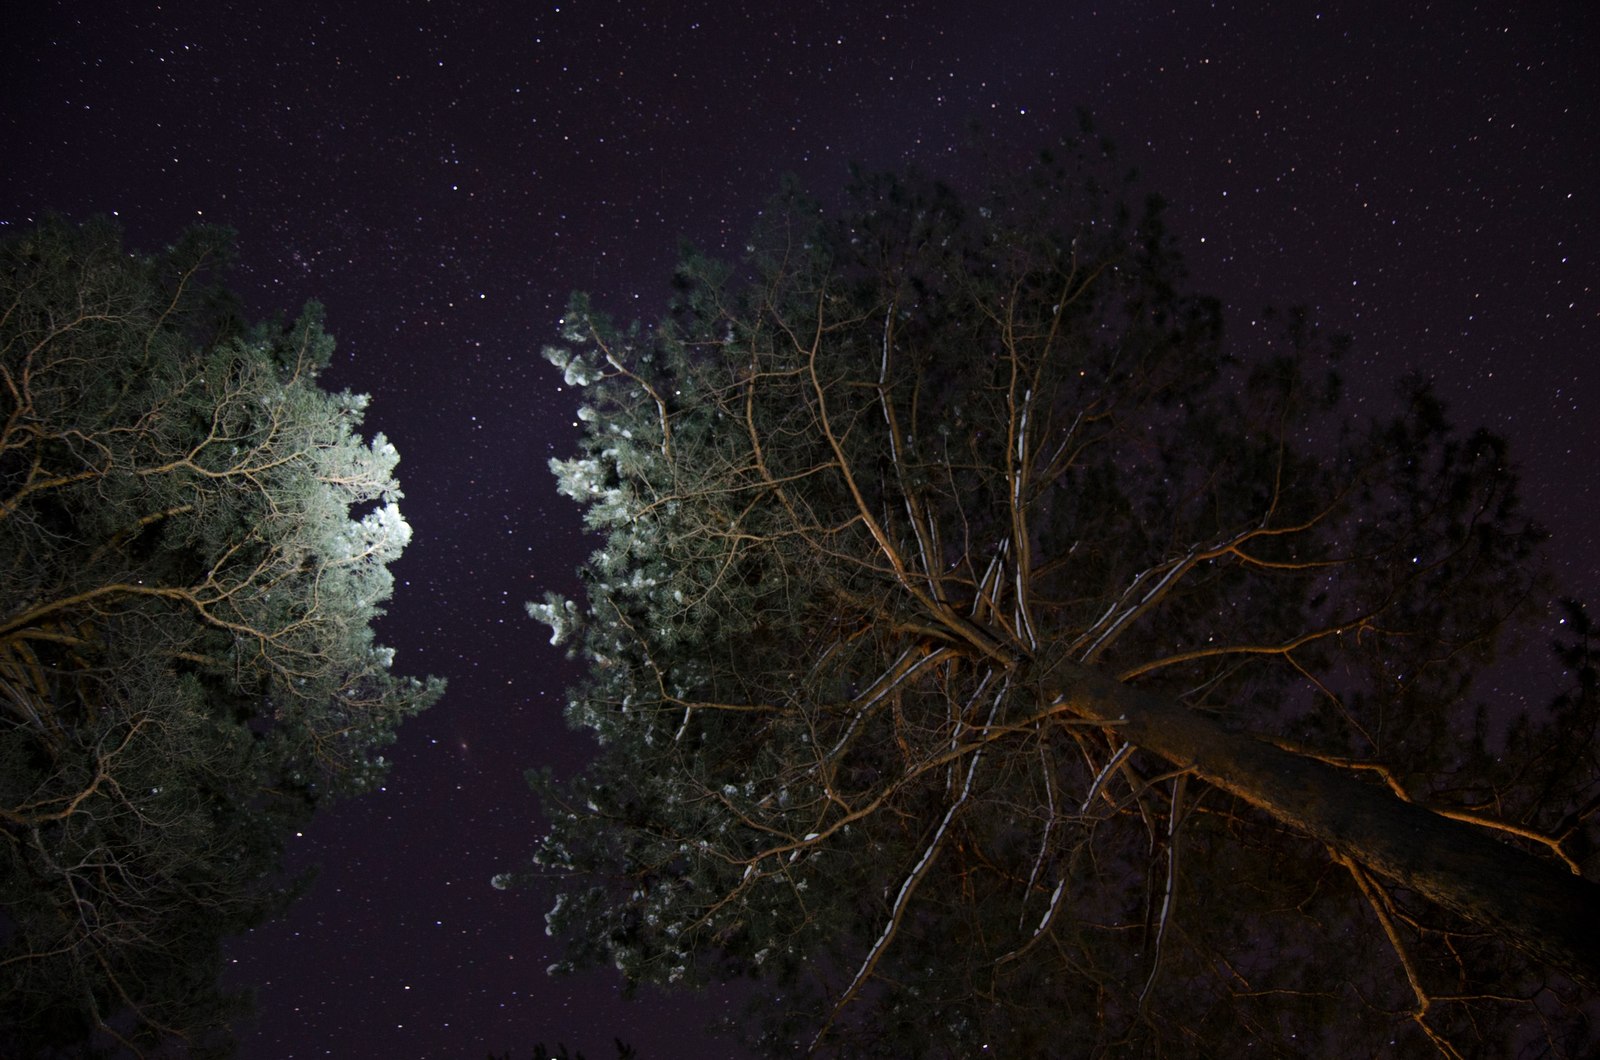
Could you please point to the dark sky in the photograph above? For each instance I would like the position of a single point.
(442, 174)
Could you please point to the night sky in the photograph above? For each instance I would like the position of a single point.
(442, 175)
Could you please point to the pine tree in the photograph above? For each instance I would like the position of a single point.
(989, 655)
(194, 542)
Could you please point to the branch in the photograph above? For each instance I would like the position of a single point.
(1376, 900)
(1174, 820)
(907, 889)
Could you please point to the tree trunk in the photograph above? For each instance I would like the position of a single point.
(1536, 905)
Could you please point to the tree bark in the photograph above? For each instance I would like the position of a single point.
(1540, 907)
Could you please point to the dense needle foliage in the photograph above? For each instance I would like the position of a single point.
(954, 576)
(194, 541)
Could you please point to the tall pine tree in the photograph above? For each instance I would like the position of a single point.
(194, 542)
(989, 655)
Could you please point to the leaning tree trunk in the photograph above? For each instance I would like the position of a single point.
(1542, 909)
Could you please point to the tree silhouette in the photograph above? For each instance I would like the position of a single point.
(542, 1052)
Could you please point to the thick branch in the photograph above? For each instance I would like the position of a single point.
(1534, 904)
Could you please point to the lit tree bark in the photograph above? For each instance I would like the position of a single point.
(1543, 909)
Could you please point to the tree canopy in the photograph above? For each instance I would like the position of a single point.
(987, 653)
(194, 542)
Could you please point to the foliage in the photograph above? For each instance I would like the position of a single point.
(876, 504)
(542, 1052)
(194, 542)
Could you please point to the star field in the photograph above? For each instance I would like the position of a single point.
(443, 175)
